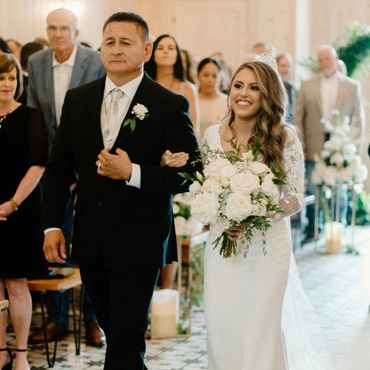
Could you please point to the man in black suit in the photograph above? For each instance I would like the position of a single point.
(113, 133)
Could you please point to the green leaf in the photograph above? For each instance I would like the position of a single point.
(133, 125)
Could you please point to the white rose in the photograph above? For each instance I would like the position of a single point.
(244, 183)
(360, 174)
(193, 227)
(225, 181)
(228, 171)
(355, 160)
(320, 168)
(258, 210)
(337, 159)
(349, 149)
(214, 167)
(258, 168)
(194, 187)
(316, 178)
(238, 207)
(330, 176)
(269, 188)
(180, 225)
(345, 174)
(325, 153)
(175, 208)
(140, 111)
(204, 207)
(212, 185)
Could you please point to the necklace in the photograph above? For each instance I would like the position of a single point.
(2, 118)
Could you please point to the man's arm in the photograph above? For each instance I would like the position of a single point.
(179, 137)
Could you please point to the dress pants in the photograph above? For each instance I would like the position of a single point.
(121, 299)
(53, 299)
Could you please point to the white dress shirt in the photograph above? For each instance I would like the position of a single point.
(129, 91)
(329, 92)
(62, 74)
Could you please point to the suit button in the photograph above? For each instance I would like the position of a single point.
(100, 203)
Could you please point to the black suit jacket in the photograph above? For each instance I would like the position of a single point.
(123, 225)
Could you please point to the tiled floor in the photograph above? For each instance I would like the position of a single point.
(338, 286)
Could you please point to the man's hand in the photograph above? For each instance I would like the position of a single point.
(55, 246)
(115, 166)
(170, 159)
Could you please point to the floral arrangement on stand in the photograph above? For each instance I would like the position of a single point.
(185, 224)
(339, 162)
(236, 191)
(338, 165)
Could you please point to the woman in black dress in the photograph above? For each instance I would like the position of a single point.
(23, 154)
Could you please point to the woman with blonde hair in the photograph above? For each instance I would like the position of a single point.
(23, 154)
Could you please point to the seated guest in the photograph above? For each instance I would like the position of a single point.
(23, 155)
(212, 102)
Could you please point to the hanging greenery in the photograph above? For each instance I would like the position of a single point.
(355, 52)
(353, 48)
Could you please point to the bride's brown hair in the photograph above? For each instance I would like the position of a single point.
(269, 123)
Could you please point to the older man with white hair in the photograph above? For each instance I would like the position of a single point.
(52, 72)
(317, 98)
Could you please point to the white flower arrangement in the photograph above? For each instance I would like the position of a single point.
(236, 190)
(185, 224)
(140, 112)
(338, 162)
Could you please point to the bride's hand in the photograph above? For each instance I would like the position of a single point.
(170, 159)
(234, 234)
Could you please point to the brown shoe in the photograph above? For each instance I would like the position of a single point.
(94, 334)
(38, 334)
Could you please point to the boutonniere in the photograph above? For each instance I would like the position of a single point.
(140, 112)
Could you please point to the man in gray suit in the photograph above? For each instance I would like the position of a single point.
(52, 72)
(317, 98)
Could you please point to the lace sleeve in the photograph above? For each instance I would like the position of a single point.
(292, 192)
(212, 137)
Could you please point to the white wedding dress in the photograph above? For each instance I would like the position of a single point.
(252, 313)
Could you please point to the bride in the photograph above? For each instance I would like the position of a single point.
(248, 309)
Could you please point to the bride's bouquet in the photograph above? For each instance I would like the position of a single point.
(235, 191)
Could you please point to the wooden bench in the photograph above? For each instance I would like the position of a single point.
(71, 280)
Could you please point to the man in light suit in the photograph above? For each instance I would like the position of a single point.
(317, 98)
(66, 64)
(113, 133)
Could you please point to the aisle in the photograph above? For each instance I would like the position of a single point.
(337, 285)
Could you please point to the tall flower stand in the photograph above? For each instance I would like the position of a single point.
(327, 199)
(174, 307)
